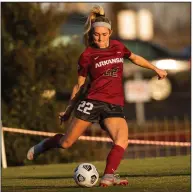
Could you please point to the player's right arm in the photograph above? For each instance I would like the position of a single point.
(77, 91)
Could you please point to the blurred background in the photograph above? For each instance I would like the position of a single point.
(41, 43)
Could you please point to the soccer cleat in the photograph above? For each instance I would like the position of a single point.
(36, 150)
(110, 179)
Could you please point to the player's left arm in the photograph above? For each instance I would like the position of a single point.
(142, 62)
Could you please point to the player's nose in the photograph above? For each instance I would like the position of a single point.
(100, 38)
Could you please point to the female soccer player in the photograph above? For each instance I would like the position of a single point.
(102, 61)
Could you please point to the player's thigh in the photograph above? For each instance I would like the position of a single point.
(118, 130)
(75, 130)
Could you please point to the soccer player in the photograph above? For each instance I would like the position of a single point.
(102, 62)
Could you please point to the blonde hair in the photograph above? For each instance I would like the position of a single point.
(97, 14)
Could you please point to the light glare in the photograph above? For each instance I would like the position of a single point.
(166, 64)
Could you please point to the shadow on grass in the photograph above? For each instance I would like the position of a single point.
(122, 175)
(156, 175)
(42, 187)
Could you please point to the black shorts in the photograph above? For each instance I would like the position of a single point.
(96, 111)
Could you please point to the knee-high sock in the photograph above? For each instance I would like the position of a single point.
(48, 143)
(52, 142)
(113, 159)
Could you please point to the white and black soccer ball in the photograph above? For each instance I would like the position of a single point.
(86, 175)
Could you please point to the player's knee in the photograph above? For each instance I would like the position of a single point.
(66, 143)
(125, 144)
(122, 142)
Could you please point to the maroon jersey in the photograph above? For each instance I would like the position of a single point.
(105, 68)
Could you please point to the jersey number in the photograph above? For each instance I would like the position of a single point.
(111, 72)
(85, 107)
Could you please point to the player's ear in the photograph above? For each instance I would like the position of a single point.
(110, 32)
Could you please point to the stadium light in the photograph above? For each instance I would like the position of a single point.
(127, 24)
(166, 64)
(171, 64)
(145, 24)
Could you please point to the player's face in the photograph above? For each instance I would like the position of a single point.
(101, 36)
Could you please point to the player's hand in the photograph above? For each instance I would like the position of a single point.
(161, 73)
(64, 116)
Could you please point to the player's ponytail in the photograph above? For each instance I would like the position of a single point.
(97, 14)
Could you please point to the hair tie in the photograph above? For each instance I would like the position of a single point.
(99, 15)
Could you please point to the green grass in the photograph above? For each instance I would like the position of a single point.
(171, 174)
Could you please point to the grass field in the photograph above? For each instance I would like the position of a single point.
(171, 174)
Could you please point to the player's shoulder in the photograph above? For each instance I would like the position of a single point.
(86, 52)
(116, 42)
(85, 55)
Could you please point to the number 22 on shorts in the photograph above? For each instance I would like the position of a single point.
(85, 107)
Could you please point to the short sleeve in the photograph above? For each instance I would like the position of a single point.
(83, 63)
(126, 52)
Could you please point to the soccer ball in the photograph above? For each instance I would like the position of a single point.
(86, 175)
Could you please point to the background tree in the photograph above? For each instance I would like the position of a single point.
(31, 65)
